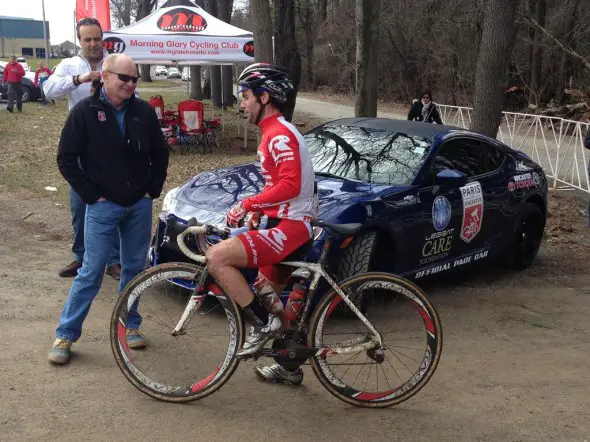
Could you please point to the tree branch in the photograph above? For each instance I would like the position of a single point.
(567, 49)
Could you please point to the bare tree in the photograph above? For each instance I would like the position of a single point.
(540, 7)
(287, 51)
(195, 70)
(225, 10)
(497, 39)
(367, 26)
(308, 23)
(262, 31)
(215, 71)
(144, 9)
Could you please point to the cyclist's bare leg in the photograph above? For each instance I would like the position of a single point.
(223, 261)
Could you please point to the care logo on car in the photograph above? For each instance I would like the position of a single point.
(441, 213)
(524, 181)
(472, 197)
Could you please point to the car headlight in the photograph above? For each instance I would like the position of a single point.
(167, 204)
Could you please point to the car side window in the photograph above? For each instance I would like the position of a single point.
(464, 155)
(494, 156)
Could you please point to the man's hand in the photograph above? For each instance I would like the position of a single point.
(252, 220)
(89, 77)
(235, 215)
(147, 195)
(101, 199)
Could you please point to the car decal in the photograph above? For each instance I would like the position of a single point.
(472, 197)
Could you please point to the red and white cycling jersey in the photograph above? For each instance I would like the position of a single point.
(286, 166)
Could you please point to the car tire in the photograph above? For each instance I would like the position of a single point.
(355, 260)
(357, 257)
(27, 94)
(527, 237)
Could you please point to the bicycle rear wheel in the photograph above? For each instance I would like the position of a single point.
(180, 368)
(409, 327)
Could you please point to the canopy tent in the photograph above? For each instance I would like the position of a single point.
(182, 32)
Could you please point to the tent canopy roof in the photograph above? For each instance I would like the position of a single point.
(182, 17)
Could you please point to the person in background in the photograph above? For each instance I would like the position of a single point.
(72, 78)
(112, 152)
(41, 75)
(425, 109)
(13, 76)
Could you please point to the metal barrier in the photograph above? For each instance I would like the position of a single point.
(554, 143)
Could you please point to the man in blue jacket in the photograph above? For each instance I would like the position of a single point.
(113, 154)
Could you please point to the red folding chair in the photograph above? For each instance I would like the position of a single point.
(190, 131)
(167, 119)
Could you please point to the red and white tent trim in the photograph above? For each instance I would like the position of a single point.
(181, 32)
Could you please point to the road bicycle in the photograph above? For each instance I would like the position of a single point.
(373, 340)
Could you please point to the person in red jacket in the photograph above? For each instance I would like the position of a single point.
(13, 75)
(41, 75)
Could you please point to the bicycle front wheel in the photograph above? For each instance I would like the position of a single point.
(410, 330)
(179, 367)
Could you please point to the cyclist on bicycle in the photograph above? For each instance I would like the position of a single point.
(288, 199)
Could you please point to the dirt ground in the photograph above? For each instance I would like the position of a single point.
(514, 364)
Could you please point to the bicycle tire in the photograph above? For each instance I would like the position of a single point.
(432, 326)
(157, 390)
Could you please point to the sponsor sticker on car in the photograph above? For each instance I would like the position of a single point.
(524, 181)
(472, 197)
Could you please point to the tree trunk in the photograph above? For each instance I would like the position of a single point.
(496, 44)
(196, 90)
(537, 60)
(323, 10)
(367, 44)
(225, 10)
(145, 7)
(215, 71)
(262, 31)
(565, 63)
(287, 52)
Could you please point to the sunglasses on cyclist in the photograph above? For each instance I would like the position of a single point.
(125, 78)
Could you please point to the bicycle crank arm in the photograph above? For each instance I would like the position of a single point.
(192, 306)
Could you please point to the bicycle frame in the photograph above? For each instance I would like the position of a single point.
(317, 271)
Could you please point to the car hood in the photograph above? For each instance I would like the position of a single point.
(209, 196)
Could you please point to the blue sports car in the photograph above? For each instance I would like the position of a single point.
(430, 198)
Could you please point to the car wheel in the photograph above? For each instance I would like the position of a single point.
(356, 259)
(26, 94)
(527, 236)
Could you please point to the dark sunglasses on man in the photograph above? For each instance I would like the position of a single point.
(125, 78)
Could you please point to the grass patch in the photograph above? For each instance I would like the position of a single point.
(157, 84)
(33, 62)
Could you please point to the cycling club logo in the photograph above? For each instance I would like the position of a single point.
(249, 48)
(114, 45)
(441, 213)
(182, 20)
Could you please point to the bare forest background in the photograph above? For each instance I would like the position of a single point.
(490, 54)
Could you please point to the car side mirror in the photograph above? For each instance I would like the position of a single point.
(449, 177)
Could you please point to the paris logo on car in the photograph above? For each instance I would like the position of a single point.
(472, 197)
(114, 45)
(181, 20)
(441, 213)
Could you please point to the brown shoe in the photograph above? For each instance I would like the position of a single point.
(70, 270)
(114, 271)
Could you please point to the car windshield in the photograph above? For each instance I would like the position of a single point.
(372, 155)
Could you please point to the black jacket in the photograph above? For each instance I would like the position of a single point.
(415, 113)
(587, 139)
(98, 161)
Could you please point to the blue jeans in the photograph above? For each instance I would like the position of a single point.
(104, 222)
(78, 208)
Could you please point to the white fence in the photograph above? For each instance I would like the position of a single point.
(554, 143)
